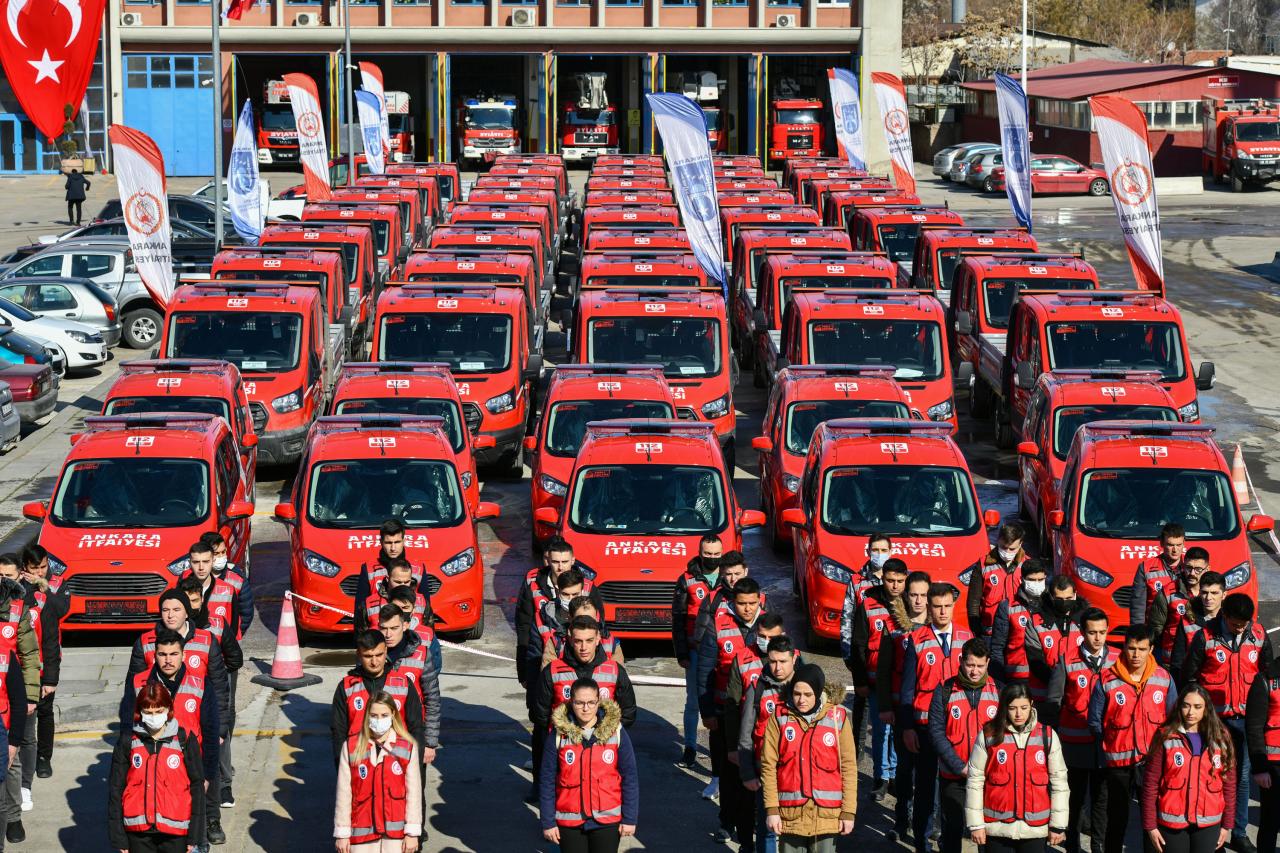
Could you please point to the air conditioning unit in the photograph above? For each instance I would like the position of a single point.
(131, 19)
(521, 17)
(306, 19)
(786, 22)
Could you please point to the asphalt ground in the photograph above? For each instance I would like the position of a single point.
(1219, 250)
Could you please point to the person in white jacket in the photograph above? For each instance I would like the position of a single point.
(379, 801)
(1016, 797)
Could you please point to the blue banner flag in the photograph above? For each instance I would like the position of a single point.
(244, 191)
(1015, 146)
(847, 113)
(683, 128)
(370, 108)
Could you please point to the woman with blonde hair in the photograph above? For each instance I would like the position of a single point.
(1189, 790)
(379, 805)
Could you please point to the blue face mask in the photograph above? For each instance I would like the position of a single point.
(878, 559)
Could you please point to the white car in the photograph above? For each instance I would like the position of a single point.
(273, 208)
(79, 346)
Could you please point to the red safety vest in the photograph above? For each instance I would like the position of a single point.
(697, 591)
(1178, 613)
(412, 667)
(768, 704)
(965, 722)
(1015, 652)
(729, 642)
(395, 686)
(1131, 717)
(750, 667)
(195, 652)
(1159, 578)
(563, 675)
(1077, 688)
(375, 602)
(588, 782)
(379, 792)
(1050, 646)
(8, 656)
(809, 760)
(1271, 733)
(862, 584)
(879, 622)
(933, 668)
(1191, 787)
(899, 641)
(1227, 674)
(222, 596)
(1016, 786)
(998, 585)
(187, 701)
(157, 789)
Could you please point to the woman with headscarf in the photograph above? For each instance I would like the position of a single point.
(808, 767)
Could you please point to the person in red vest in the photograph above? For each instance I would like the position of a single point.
(1262, 726)
(57, 601)
(1131, 700)
(1174, 607)
(762, 701)
(379, 801)
(589, 790)
(692, 590)
(1188, 783)
(1016, 789)
(997, 578)
(932, 658)
(1225, 658)
(583, 658)
(583, 605)
(1071, 685)
(1014, 620)
(407, 655)
(1204, 608)
(808, 766)
(744, 674)
(157, 796)
(353, 694)
(913, 613)
(959, 709)
(1158, 575)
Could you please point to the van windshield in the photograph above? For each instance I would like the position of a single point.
(1135, 503)
(684, 346)
(901, 500)
(648, 500)
(170, 403)
(363, 493)
(1002, 291)
(913, 347)
(1117, 345)
(827, 282)
(1068, 420)
(567, 422)
(406, 405)
(131, 492)
(642, 280)
(803, 417)
(350, 253)
(468, 278)
(254, 341)
(898, 240)
(468, 343)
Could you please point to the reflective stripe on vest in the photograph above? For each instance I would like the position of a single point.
(1016, 787)
(998, 585)
(1227, 674)
(768, 704)
(729, 641)
(809, 760)
(1015, 652)
(697, 591)
(379, 792)
(879, 623)
(413, 666)
(8, 652)
(395, 686)
(588, 782)
(1190, 787)
(563, 675)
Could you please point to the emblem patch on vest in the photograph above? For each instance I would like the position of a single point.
(607, 756)
(191, 706)
(174, 761)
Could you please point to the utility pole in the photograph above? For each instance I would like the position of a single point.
(216, 14)
(1024, 45)
(350, 98)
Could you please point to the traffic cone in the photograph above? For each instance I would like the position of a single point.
(1239, 478)
(286, 667)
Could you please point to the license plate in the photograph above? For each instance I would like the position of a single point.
(643, 615)
(116, 607)
(6, 409)
(591, 138)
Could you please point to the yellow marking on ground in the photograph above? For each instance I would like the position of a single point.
(72, 736)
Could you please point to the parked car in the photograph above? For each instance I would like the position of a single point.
(108, 263)
(29, 370)
(947, 157)
(10, 420)
(80, 345)
(193, 246)
(1056, 174)
(76, 299)
(273, 208)
(979, 166)
(16, 348)
(185, 208)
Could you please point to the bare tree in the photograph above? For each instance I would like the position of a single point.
(926, 43)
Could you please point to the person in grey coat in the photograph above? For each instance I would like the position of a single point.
(77, 188)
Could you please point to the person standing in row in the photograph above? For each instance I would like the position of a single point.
(862, 583)
(996, 580)
(1203, 610)
(378, 808)
(1188, 783)
(761, 702)
(1016, 795)
(889, 677)
(371, 676)
(1170, 608)
(808, 766)
(959, 710)
(744, 674)
(1262, 726)
(1014, 621)
(35, 574)
(1157, 576)
(692, 590)
(408, 656)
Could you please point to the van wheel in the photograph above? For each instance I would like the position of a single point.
(511, 464)
(1002, 416)
(1237, 183)
(979, 399)
(1098, 187)
(142, 328)
(475, 632)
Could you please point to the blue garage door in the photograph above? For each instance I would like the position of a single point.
(170, 98)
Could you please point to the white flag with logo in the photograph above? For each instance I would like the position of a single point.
(892, 98)
(1122, 135)
(370, 131)
(847, 112)
(1015, 146)
(144, 205)
(371, 81)
(244, 190)
(313, 151)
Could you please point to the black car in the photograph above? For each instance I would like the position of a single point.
(184, 208)
(193, 246)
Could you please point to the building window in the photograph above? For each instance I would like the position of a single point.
(792, 3)
(624, 2)
(1172, 115)
(1051, 112)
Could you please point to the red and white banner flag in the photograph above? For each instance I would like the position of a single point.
(1122, 135)
(313, 151)
(234, 9)
(140, 179)
(892, 98)
(371, 81)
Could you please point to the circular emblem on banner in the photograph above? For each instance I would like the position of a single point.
(192, 705)
(991, 712)
(1253, 655)
(1047, 642)
(931, 658)
(1120, 700)
(607, 756)
(173, 761)
(1082, 680)
(7, 631)
(1178, 759)
(1131, 183)
(309, 125)
(396, 768)
(569, 757)
(1221, 655)
(1002, 756)
(1039, 756)
(364, 771)
(700, 593)
(955, 712)
(137, 760)
(193, 661)
(358, 703)
(829, 739)
(896, 122)
(791, 733)
(143, 213)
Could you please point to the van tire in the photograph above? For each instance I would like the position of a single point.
(1002, 419)
(142, 328)
(979, 399)
(475, 632)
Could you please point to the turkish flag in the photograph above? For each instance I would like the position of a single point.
(47, 47)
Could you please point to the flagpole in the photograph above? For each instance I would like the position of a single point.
(1024, 45)
(350, 99)
(217, 122)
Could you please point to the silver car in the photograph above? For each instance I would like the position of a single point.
(957, 155)
(60, 298)
(979, 167)
(10, 421)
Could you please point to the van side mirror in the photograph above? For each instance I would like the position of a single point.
(486, 510)
(1028, 448)
(1057, 518)
(1206, 377)
(751, 518)
(533, 370)
(547, 515)
(1024, 376)
(483, 442)
(249, 440)
(793, 517)
(991, 518)
(530, 442)
(762, 443)
(1257, 523)
(964, 322)
(286, 512)
(240, 509)
(35, 511)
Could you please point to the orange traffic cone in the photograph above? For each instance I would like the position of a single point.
(286, 668)
(1239, 478)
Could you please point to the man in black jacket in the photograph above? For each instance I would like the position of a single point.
(693, 588)
(57, 602)
(557, 558)
(1060, 611)
(369, 676)
(980, 703)
(582, 654)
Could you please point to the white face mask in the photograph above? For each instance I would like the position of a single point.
(878, 559)
(564, 601)
(379, 725)
(1008, 556)
(219, 563)
(1033, 588)
(155, 722)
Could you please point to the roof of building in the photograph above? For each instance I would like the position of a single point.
(1078, 80)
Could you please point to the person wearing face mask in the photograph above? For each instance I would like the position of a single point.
(1156, 575)
(692, 589)
(745, 672)
(584, 605)
(1053, 630)
(879, 552)
(1013, 622)
(156, 800)
(371, 676)
(998, 579)
(906, 618)
(231, 574)
(378, 808)
(868, 629)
